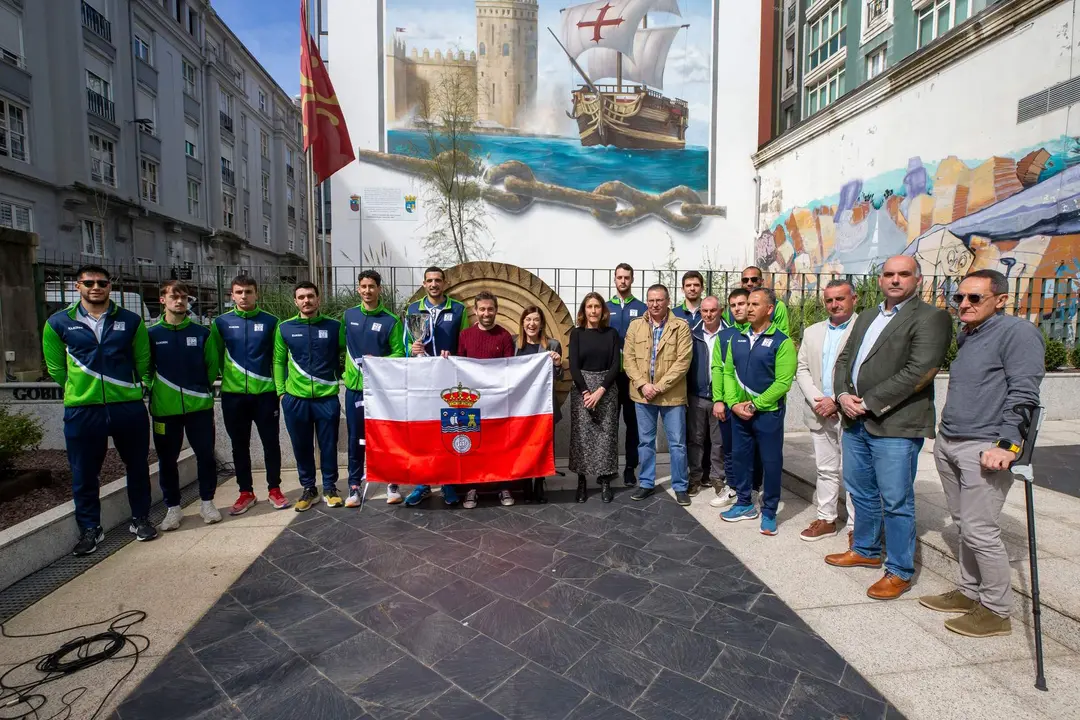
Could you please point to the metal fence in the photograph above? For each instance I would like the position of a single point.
(1051, 303)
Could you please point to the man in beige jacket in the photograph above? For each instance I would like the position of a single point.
(821, 345)
(656, 358)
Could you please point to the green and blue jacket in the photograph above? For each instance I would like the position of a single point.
(306, 356)
(184, 362)
(368, 332)
(447, 321)
(92, 371)
(244, 340)
(761, 374)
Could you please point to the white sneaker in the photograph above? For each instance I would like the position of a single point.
(173, 516)
(209, 512)
(470, 500)
(506, 498)
(354, 500)
(725, 498)
(393, 495)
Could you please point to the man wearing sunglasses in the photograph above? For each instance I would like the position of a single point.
(99, 352)
(998, 368)
(752, 280)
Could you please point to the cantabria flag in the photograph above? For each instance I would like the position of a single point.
(436, 421)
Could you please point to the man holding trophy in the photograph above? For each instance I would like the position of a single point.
(432, 326)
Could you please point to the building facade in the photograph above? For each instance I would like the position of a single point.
(142, 132)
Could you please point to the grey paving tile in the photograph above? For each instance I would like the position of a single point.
(613, 674)
(517, 582)
(620, 587)
(342, 535)
(179, 688)
(595, 707)
(325, 579)
(674, 548)
(674, 606)
(586, 546)
(480, 665)
(435, 520)
(396, 613)
(547, 534)
(816, 699)
(226, 618)
(470, 535)
(566, 603)
(756, 681)
(388, 565)
(320, 701)
(855, 682)
(631, 536)
(715, 557)
(671, 573)
(573, 567)
(424, 579)
(628, 559)
(504, 620)
(401, 689)
(498, 543)
(233, 655)
(513, 523)
(305, 562)
(680, 649)
(461, 598)
(269, 684)
(618, 624)
(291, 609)
(722, 588)
(804, 651)
(320, 632)
(735, 627)
(535, 693)
(364, 550)
(772, 607)
(270, 587)
(555, 515)
(447, 552)
(533, 556)
(743, 711)
(287, 543)
(589, 525)
(554, 645)
(353, 661)
(361, 593)
(481, 566)
(256, 571)
(434, 637)
(456, 705)
(687, 698)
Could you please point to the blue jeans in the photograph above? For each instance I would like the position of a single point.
(309, 420)
(674, 417)
(758, 448)
(879, 474)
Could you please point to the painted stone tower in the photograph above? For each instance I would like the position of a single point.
(506, 42)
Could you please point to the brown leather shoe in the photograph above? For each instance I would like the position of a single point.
(889, 587)
(818, 530)
(850, 558)
(851, 539)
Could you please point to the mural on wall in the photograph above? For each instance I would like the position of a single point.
(600, 106)
(1019, 214)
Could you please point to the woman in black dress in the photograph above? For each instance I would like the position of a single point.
(532, 339)
(594, 404)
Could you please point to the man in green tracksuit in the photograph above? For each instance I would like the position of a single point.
(99, 353)
(758, 372)
(183, 367)
(307, 353)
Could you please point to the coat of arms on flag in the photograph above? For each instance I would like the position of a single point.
(460, 421)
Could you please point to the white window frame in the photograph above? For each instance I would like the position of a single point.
(191, 86)
(873, 68)
(9, 132)
(932, 9)
(149, 177)
(194, 192)
(813, 91)
(244, 173)
(92, 236)
(14, 55)
(264, 144)
(289, 194)
(143, 49)
(247, 221)
(228, 211)
(103, 158)
(262, 101)
(292, 238)
(266, 230)
(104, 88)
(840, 33)
(871, 29)
(266, 187)
(9, 215)
(226, 101)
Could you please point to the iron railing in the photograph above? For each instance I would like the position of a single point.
(876, 10)
(226, 120)
(789, 77)
(228, 176)
(100, 105)
(96, 22)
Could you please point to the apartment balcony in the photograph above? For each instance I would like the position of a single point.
(789, 77)
(292, 214)
(100, 105)
(12, 59)
(226, 120)
(289, 174)
(96, 22)
(228, 177)
(876, 11)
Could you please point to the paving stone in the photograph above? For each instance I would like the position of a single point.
(680, 649)
(554, 644)
(613, 674)
(535, 693)
(752, 679)
(618, 624)
(504, 620)
(480, 665)
(434, 637)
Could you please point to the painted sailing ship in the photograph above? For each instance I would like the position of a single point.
(615, 36)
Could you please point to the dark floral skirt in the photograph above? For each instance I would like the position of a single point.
(594, 434)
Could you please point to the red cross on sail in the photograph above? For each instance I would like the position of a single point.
(607, 24)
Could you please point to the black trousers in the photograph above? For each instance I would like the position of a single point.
(629, 415)
(169, 439)
(239, 412)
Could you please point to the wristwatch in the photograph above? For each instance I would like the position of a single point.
(1007, 445)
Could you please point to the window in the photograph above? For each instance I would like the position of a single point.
(243, 124)
(483, 49)
(99, 85)
(193, 192)
(148, 180)
(292, 239)
(266, 229)
(262, 100)
(825, 92)
(266, 187)
(191, 141)
(146, 109)
(506, 49)
(11, 45)
(228, 211)
(93, 237)
(243, 174)
(15, 215)
(827, 35)
(289, 194)
(264, 144)
(13, 131)
(142, 46)
(193, 23)
(226, 102)
(190, 86)
(940, 16)
(102, 160)
(875, 63)
(247, 222)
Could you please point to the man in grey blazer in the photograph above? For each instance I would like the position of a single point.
(884, 383)
(821, 345)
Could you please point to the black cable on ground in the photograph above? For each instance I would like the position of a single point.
(21, 701)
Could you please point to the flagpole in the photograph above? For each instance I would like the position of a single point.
(312, 241)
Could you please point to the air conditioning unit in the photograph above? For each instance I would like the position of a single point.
(173, 227)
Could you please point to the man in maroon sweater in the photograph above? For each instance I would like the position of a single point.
(485, 341)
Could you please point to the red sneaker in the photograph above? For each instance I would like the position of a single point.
(278, 499)
(243, 503)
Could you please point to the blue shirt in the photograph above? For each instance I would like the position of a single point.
(657, 331)
(833, 335)
(872, 334)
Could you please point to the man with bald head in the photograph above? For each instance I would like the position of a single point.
(704, 446)
(884, 385)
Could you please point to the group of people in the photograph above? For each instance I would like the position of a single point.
(717, 377)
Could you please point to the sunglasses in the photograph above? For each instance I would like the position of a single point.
(749, 280)
(973, 298)
(95, 283)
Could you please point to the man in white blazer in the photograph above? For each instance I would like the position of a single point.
(821, 345)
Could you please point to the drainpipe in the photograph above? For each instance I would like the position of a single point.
(757, 205)
(137, 131)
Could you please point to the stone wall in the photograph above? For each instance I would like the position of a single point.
(20, 332)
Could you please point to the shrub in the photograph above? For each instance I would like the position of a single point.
(1056, 354)
(1074, 356)
(950, 354)
(19, 433)
(804, 312)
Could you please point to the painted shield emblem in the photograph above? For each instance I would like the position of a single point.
(410, 203)
(354, 203)
(460, 429)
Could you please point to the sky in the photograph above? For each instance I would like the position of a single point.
(271, 31)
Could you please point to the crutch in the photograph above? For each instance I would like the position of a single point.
(1021, 467)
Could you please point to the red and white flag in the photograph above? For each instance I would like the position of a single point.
(443, 421)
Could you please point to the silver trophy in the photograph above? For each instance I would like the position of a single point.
(419, 326)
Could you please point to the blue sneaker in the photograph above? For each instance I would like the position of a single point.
(740, 512)
(449, 495)
(768, 525)
(417, 496)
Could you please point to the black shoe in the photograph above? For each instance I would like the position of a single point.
(606, 494)
(142, 529)
(694, 489)
(682, 497)
(538, 491)
(582, 492)
(628, 477)
(642, 492)
(88, 541)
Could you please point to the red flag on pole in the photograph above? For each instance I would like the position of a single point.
(325, 134)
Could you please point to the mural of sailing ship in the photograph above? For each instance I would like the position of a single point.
(619, 44)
